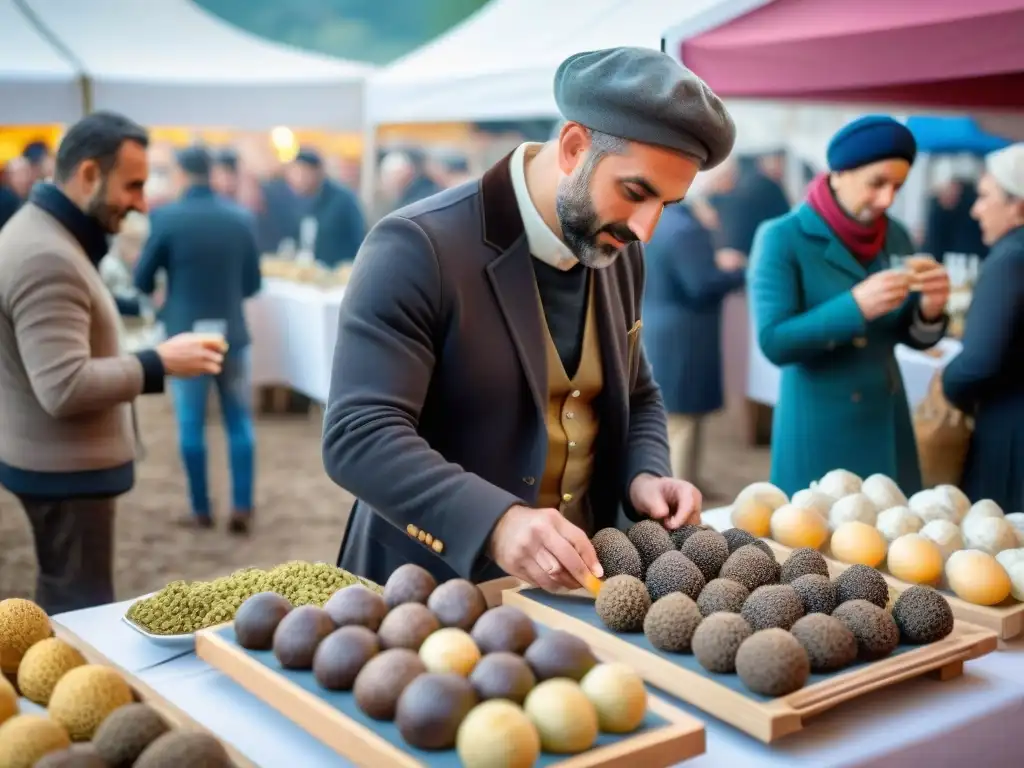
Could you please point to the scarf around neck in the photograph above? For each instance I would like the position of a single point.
(864, 241)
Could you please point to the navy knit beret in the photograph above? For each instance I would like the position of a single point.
(870, 139)
(644, 95)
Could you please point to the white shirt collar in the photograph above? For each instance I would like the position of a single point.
(544, 244)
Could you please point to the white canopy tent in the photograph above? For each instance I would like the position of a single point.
(37, 83)
(169, 62)
(499, 63)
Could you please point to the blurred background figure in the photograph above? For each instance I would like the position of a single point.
(949, 226)
(17, 181)
(755, 196)
(687, 281)
(986, 380)
(116, 269)
(224, 174)
(404, 178)
(207, 247)
(339, 224)
(450, 169)
(40, 161)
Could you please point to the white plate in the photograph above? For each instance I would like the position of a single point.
(184, 642)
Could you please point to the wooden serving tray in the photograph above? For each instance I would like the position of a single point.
(1006, 619)
(174, 716)
(724, 696)
(667, 737)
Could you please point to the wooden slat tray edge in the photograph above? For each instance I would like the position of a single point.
(681, 739)
(177, 717)
(768, 721)
(1007, 621)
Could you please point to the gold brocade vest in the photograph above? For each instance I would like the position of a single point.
(572, 425)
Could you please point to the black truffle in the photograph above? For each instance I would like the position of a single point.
(736, 538)
(708, 550)
(829, 643)
(341, 656)
(876, 631)
(407, 626)
(457, 603)
(922, 616)
(357, 605)
(683, 532)
(859, 582)
(717, 640)
(801, 562)
(671, 622)
(651, 540)
(504, 628)
(409, 584)
(622, 603)
(751, 567)
(502, 675)
(559, 654)
(772, 663)
(817, 593)
(773, 605)
(674, 572)
(617, 554)
(722, 595)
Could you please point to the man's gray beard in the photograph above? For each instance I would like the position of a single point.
(578, 220)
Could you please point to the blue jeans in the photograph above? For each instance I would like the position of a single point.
(234, 388)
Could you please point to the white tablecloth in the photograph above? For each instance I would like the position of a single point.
(294, 328)
(972, 720)
(917, 368)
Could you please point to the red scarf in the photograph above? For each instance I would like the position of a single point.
(864, 241)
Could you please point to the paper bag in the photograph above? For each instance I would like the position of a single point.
(943, 435)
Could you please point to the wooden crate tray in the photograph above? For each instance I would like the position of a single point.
(724, 696)
(668, 736)
(1006, 619)
(174, 716)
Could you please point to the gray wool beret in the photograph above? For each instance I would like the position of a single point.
(644, 95)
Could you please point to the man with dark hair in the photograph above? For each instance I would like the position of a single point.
(207, 246)
(340, 225)
(67, 446)
(491, 405)
(224, 174)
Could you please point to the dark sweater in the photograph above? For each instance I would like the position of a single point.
(563, 295)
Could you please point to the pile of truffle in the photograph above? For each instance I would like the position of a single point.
(449, 672)
(91, 717)
(725, 599)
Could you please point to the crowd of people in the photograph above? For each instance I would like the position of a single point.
(513, 366)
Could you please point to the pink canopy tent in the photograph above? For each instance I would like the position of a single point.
(934, 53)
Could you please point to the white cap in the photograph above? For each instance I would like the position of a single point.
(1007, 167)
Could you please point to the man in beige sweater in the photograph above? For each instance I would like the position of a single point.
(67, 447)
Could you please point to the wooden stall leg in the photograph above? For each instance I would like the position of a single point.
(948, 672)
(759, 424)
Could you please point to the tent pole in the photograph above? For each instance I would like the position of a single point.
(368, 172)
(87, 101)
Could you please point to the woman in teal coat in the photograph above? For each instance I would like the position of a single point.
(829, 311)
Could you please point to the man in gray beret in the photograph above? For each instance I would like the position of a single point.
(491, 405)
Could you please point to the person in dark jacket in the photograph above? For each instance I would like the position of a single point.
(340, 226)
(755, 199)
(683, 328)
(949, 224)
(986, 379)
(207, 246)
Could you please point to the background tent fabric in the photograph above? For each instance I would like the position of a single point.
(499, 63)
(168, 62)
(942, 53)
(37, 83)
(950, 135)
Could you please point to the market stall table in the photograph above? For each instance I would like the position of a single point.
(973, 718)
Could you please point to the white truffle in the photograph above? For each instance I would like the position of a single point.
(946, 534)
(1012, 561)
(929, 505)
(809, 498)
(989, 534)
(1016, 519)
(770, 495)
(984, 508)
(883, 492)
(838, 483)
(953, 498)
(853, 508)
(898, 521)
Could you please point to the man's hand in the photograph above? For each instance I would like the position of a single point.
(730, 260)
(881, 293)
(192, 354)
(542, 547)
(669, 501)
(933, 283)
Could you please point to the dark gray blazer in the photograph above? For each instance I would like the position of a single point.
(435, 418)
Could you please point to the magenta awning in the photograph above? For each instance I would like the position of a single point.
(936, 53)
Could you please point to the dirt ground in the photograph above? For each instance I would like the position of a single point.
(300, 513)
